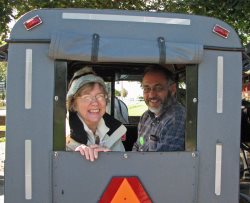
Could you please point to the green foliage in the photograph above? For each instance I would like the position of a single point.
(234, 12)
(137, 109)
(5, 16)
(3, 67)
(2, 139)
(124, 92)
(117, 93)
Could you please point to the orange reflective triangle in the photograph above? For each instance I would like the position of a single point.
(125, 194)
(124, 189)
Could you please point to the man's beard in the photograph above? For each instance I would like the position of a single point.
(157, 110)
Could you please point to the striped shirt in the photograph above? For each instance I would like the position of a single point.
(165, 132)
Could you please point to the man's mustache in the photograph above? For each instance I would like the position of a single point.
(154, 98)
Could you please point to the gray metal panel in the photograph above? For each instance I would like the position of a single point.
(198, 32)
(167, 177)
(191, 107)
(60, 105)
(224, 128)
(75, 46)
(35, 124)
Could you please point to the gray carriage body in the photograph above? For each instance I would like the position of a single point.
(36, 171)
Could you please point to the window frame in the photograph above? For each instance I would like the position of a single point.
(60, 91)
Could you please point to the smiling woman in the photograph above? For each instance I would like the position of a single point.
(88, 129)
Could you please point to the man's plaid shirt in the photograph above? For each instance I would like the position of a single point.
(165, 132)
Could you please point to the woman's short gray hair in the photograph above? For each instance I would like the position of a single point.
(82, 79)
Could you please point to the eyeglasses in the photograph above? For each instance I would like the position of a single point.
(89, 99)
(156, 88)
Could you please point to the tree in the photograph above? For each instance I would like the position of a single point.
(3, 66)
(235, 12)
(117, 93)
(5, 16)
(124, 92)
(13, 9)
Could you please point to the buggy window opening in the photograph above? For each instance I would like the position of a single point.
(184, 93)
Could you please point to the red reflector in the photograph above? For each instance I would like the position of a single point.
(33, 22)
(123, 138)
(223, 32)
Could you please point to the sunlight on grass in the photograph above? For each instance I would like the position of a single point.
(137, 109)
(2, 128)
(2, 139)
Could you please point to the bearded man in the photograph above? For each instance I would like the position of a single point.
(162, 126)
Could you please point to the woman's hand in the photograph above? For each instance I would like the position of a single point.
(91, 152)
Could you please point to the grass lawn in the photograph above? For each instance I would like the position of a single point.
(3, 129)
(137, 109)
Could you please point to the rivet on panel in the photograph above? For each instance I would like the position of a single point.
(125, 156)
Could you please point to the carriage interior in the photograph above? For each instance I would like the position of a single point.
(129, 106)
